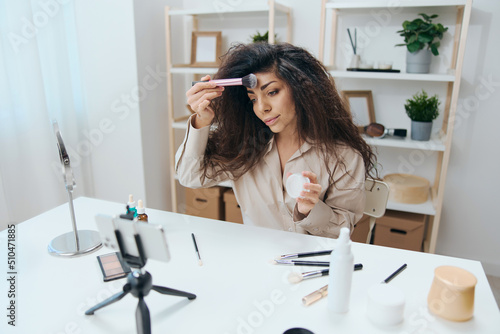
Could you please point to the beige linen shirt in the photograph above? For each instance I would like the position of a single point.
(261, 192)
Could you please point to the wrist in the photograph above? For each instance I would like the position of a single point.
(198, 123)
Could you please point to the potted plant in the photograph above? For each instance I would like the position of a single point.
(421, 39)
(422, 110)
(261, 38)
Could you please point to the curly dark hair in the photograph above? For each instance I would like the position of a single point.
(239, 138)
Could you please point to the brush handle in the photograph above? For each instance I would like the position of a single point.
(315, 296)
(397, 132)
(306, 254)
(311, 263)
(316, 273)
(325, 272)
(223, 82)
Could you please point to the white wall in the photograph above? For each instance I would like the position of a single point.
(151, 71)
(106, 44)
(470, 224)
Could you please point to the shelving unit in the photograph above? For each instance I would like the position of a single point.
(451, 81)
(271, 10)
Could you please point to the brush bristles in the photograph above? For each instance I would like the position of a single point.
(249, 81)
(295, 278)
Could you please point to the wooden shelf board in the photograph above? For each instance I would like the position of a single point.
(385, 4)
(435, 144)
(393, 76)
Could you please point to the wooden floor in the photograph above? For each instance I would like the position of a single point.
(495, 286)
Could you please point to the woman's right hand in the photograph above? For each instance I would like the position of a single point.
(199, 97)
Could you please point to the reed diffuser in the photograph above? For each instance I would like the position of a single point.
(356, 59)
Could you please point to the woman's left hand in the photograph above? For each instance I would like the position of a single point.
(308, 199)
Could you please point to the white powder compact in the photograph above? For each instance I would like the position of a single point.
(385, 305)
(295, 184)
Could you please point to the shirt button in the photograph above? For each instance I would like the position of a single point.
(316, 229)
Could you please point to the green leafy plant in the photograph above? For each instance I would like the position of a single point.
(422, 108)
(261, 38)
(420, 33)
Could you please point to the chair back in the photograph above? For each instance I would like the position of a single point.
(377, 194)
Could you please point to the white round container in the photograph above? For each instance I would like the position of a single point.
(385, 305)
(295, 184)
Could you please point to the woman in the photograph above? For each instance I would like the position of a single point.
(294, 121)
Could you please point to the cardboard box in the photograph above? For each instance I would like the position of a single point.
(205, 202)
(361, 229)
(232, 209)
(400, 230)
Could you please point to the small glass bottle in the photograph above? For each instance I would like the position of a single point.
(131, 205)
(141, 212)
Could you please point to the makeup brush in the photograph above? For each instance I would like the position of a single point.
(302, 263)
(298, 277)
(249, 81)
(377, 130)
(307, 254)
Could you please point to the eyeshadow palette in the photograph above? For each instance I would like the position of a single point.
(112, 266)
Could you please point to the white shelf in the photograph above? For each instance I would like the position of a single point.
(396, 4)
(434, 144)
(264, 8)
(426, 208)
(393, 76)
(194, 70)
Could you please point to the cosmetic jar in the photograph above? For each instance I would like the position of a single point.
(452, 293)
(385, 305)
(295, 184)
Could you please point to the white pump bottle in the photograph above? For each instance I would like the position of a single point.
(340, 274)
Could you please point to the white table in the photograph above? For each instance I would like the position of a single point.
(238, 290)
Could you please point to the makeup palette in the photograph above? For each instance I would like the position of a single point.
(112, 266)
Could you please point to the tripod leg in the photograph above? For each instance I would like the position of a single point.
(142, 319)
(173, 292)
(110, 300)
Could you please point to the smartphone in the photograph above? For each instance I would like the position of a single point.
(153, 238)
(112, 266)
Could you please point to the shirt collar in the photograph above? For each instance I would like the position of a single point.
(303, 149)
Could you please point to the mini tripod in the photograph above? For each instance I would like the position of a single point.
(139, 283)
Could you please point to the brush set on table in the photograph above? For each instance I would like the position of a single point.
(291, 260)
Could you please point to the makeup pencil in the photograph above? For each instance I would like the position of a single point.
(394, 274)
(197, 251)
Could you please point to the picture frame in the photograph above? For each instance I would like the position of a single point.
(206, 48)
(360, 104)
